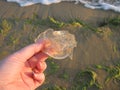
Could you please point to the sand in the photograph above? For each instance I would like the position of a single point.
(62, 11)
(92, 48)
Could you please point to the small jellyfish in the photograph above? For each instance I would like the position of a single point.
(58, 44)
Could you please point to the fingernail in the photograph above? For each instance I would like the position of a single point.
(39, 77)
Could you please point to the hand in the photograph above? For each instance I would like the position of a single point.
(23, 70)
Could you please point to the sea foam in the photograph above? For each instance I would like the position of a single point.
(93, 4)
(102, 4)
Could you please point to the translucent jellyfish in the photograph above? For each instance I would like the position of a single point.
(58, 44)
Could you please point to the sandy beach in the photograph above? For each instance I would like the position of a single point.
(62, 11)
(93, 48)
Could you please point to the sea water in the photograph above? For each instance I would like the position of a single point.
(93, 4)
(102, 4)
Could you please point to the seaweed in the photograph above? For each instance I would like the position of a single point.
(53, 67)
(113, 72)
(5, 26)
(86, 79)
(114, 21)
(64, 75)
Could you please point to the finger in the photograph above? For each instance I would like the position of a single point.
(39, 57)
(27, 52)
(41, 66)
(39, 79)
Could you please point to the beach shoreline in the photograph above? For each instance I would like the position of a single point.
(71, 11)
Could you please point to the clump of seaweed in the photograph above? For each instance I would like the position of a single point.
(114, 21)
(85, 25)
(86, 79)
(56, 23)
(53, 67)
(113, 72)
(5, 26)
(64, 75)
(76, 24)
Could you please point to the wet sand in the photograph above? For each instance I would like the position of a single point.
(62, 11)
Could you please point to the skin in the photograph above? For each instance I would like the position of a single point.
(23, 70)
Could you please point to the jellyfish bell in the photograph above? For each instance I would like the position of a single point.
(58, 44)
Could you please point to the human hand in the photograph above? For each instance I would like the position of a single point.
(23, 70)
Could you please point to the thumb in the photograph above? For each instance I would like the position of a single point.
(27, 52)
